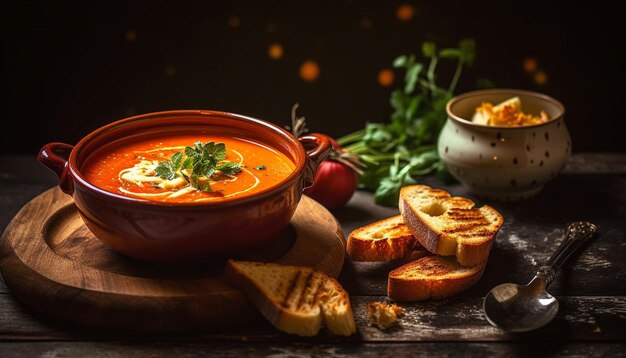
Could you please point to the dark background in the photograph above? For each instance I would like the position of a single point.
(68, 68)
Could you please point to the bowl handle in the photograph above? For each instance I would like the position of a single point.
(318, 148)
(53, 155)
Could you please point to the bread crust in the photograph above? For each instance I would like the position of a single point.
(396, 241)
(426, 235)
(417, 281)
(327, 301)
(473, 238)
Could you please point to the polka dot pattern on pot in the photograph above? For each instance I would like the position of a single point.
(506, 164)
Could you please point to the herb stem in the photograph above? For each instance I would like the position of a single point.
(393, 170)
(390, 145)
(371, 155)
(369, 159)
(357, 147)
(424, 171)
(428, 85)
(455, 78)
(407, 168)
(431, 75)
(352, 137)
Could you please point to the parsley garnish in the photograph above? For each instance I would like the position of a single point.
(167, 170)
(201, 162)
(229, 168)
(260, 167)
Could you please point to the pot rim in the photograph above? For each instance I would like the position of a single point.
(299, 161)
(515, 92)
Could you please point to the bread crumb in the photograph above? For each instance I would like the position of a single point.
(383, 315)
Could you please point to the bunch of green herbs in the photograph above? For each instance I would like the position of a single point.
(398, 152)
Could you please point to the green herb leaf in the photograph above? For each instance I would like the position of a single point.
(229, 168)
(398, 101)
(260, 167)
(205, 186)
(450, 53)
(429, 49)
(204, 167)
(400, 61)
(411, 77)
(165, 170)
(187, 163)
(193, 181)
(411, 109)
(467, 48)
(377, 134)
(176, 159)
(191, 152)
(217, 151)
(388, 192)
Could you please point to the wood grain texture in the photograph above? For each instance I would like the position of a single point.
(52, 263)
(375, 350)
(457, 319)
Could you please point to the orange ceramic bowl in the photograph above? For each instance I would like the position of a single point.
(171, 232)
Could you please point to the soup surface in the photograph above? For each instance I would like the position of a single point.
(186, 168)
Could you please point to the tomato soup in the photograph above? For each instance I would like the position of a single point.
(185, 168)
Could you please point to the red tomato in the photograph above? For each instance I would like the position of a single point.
(333, 185)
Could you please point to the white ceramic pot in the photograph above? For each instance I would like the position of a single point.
(501, 162)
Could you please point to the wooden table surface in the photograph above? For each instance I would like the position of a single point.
(591, 289)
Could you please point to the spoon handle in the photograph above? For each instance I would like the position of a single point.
(577, 233)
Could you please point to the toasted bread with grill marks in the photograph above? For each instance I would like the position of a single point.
(431, 277)
(446, 225)
(295, 299)
(383, 240)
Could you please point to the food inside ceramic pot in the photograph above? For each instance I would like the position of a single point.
(507, 113)
(185, 168)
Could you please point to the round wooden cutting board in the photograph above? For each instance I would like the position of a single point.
(54, 264)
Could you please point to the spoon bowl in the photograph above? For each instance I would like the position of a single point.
(522, 308)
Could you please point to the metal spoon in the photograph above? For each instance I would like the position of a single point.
(521, 308)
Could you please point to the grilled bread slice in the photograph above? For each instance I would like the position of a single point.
(294, 299)
(446, 225)
(431, 277)
(383, 240)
